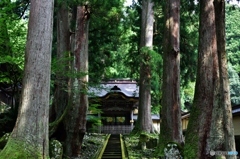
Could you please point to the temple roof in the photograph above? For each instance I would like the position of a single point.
(127, 87)
(236, 109)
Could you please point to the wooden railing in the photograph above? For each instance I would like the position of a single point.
(116, 129)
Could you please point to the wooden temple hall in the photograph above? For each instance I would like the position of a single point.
(118, 102)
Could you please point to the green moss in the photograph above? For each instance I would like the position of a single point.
(191, 147)
(133, 150)
(136, 130)
(192, 139)
(16, 149)
(163, 140)
(144, 137)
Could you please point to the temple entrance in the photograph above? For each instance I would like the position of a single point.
(117, 101)
(116, 119)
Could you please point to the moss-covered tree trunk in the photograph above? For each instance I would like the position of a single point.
(227, 133)
(171, 130)
(204, 115)
(76, 126)
(144, 121)
(210, 127)
(29, 138)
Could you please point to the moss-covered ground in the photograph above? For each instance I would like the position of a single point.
(134, 151)
(91, 143)
(17, 150)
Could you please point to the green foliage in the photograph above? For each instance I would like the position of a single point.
(60, 67)
(12, 43)
(188, 44)
(94, 108)
(187, 94)
(107, 47)
(232, 36)
(156, 81)
(95, 122)
(234, 81)
(93, 117)
(233, 51)
(152, 58)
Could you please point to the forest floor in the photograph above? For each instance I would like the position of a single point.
(91, 144)
(134, 151)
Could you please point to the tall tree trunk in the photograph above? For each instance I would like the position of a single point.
(68, 121)
(228, 142)
(63, 49)
(144, 121)
(82, 49)
(77, 123)
(29, 138)
(206, 98)
(144, 112)
(171, 109)
(61, 95)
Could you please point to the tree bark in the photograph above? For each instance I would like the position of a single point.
(227, 139)
(61, 101)
(171, 109)
(76, 127)
(29, 138)
(144, 120)
(206, 99)
(82, 45)
(63, 49)
(144, 112)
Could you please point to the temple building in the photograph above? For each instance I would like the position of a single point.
(118, 101)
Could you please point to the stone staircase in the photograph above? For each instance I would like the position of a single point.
(113, 148)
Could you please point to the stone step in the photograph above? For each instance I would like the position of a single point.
(113, 148)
